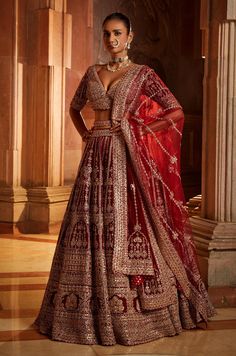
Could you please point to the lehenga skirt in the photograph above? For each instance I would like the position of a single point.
(85, 302)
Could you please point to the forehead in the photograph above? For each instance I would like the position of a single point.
(114, 24)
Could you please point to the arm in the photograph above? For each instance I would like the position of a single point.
(171, 110)
(78, 122)
(78, 102)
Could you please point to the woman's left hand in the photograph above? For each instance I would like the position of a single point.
(116, 128)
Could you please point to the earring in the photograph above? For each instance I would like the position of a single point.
(127, 45)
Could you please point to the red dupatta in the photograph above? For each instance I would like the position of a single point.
(151, 123)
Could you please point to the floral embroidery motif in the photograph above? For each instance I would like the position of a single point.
(118, 304)
(71, 301)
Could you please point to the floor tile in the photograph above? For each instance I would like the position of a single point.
(21, 299)
(225, 314)
(16, 324)
(22, 280)
(43, 348)
(189, 343)
(144, 355)
(15, 259)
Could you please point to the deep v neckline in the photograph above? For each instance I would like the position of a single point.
(114, 83)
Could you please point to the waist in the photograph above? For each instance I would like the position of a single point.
(102, 119)
(102, 115)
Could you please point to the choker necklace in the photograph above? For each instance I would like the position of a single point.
(120, 64)
(120, 59)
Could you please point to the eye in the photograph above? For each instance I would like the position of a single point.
(106, 34)
(117, 33)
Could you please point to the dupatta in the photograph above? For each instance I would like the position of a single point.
(146, 161)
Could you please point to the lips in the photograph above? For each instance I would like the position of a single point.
(111, 47)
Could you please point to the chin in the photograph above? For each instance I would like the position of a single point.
(112, 50)
(115, 51)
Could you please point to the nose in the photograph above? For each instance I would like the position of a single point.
(112, 37)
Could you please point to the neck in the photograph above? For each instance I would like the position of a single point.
(119, 59)
(115, 56)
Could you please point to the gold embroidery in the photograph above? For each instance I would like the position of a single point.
(89, 298)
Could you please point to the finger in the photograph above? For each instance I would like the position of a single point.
(115, 129)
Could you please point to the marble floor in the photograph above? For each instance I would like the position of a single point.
(24, 269)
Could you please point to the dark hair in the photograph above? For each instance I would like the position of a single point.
(121, 17)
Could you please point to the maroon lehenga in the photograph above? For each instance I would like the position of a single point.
(125, 269)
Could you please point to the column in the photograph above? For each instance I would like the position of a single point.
(38, 47)
(215, 230)
(13, 197)
(49, 54)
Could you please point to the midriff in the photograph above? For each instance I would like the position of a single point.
(102, 115)
(102, 119)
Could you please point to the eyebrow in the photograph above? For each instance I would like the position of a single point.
(116, 29)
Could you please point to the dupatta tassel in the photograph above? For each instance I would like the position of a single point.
(136, 281)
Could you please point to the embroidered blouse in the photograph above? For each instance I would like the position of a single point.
(92, 89)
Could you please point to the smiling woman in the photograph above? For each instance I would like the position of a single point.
(125, 269)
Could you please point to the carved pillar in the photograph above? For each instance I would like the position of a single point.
(215, 231)
(13, 196)
(32, 193)
(49, 54)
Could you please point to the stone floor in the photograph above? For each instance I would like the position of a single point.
(24, 269)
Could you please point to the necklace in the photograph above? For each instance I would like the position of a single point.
(119, 67)
(119, 59)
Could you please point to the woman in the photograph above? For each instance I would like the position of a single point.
(124, 269)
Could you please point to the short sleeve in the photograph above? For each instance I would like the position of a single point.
(158, 91)
(80, 97)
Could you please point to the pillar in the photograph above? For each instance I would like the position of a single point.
(13, 197)
(35, 56)
(215, 229)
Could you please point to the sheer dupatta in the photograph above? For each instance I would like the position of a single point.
(152, 122)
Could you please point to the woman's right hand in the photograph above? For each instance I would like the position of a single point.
(86, 135)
